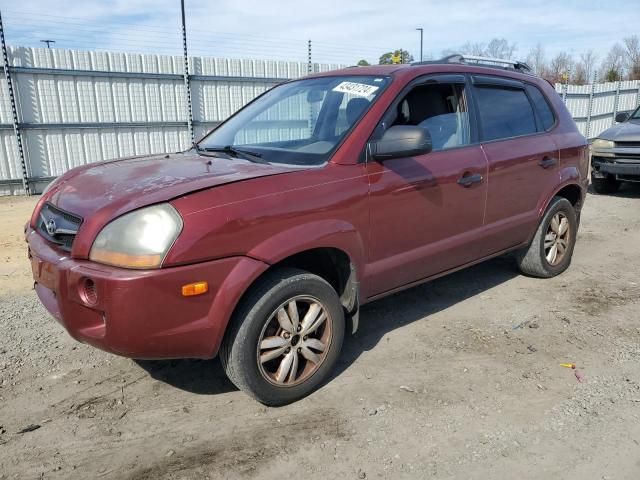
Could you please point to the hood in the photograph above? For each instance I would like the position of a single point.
(628, 131)
(109, 189)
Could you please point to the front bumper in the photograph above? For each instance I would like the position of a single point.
(622, 169)
(140, 313)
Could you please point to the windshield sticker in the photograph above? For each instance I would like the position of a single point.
(360, 89)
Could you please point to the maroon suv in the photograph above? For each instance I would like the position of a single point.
(319, 196)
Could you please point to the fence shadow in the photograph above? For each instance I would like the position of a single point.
(206, 377)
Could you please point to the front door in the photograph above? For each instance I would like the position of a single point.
(426, 209)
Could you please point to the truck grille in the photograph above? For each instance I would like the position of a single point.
(58, 226)
(627, 144)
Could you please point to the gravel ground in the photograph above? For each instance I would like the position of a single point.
(459, 378)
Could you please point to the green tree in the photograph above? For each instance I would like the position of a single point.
(612, 75)
(389, 57)
(363, 63)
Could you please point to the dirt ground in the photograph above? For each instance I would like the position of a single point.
(459, 378)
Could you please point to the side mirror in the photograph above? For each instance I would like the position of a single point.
(401, 141)
(622, 117)
(315, 96)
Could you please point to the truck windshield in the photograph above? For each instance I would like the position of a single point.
(300, 122)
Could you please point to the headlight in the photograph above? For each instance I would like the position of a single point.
(139, 239)
(600, 144)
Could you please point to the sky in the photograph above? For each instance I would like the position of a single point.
(341, 31)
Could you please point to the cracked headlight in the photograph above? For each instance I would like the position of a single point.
(139, 239)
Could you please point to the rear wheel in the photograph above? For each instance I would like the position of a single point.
(285, 337)
(549, 254)
(606, 185)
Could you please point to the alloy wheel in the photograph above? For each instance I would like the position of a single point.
(294, 341)
(556, 240)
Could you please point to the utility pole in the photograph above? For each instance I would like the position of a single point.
(48, 42)
(421, 42)
(187, 82)
(14, 111)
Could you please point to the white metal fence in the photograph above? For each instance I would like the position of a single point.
(77, 107)
(594, 107)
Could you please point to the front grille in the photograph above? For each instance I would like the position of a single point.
(58, 226)
(627, 144)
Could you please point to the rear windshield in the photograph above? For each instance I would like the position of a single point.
(300, 122)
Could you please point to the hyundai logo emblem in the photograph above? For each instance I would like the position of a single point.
(51, 227)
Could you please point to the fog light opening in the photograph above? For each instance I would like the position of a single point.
(88, 291)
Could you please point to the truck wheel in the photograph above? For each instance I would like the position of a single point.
(284, 337)
(605, 185)
(549, 254)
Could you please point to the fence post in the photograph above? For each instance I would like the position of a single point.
(187, 80)
(590, 110)
(309, 64)
(14, 111)
(616, 103)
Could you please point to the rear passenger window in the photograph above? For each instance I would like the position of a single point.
(541, 104)
(504, 112)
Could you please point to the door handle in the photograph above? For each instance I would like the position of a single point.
(548, 162)
(469, 179)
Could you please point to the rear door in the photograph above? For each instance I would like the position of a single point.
(522, 156)
(426, 210)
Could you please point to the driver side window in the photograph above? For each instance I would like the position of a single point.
(441, 108)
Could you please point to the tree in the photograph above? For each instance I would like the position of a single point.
(500, 48)
(612, 68)
(363, 63)
(496, 48)
(389, 58)
(560, 68)
(632, 54)
(585, 68)
(537, 61)
(477, 49)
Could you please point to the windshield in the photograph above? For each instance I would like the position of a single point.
(636, 115)
(300, 122)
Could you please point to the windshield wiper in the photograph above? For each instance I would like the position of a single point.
(235, 152)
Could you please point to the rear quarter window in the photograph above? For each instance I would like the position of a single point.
(504, 112)
(541, 104)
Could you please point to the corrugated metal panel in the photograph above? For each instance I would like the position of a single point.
(83, 99)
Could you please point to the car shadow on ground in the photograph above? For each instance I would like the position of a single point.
(379, 318)
(206, 377)
(627, 190)
(202, 377)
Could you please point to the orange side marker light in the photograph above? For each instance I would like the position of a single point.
(196, 288)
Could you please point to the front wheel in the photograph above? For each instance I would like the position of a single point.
(285, 337)
(549, 254)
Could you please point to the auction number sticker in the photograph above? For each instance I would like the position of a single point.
(360, 89)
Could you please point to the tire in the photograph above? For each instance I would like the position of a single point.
(257, 332)
(606, 185)
(534, 261)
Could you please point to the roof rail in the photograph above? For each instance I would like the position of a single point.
(481, 61)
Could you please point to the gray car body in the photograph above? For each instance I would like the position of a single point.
(628, 131)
